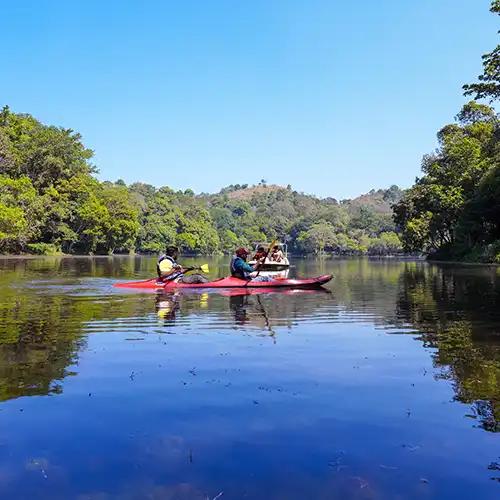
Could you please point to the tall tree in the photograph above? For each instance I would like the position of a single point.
(488, 86)
(436, 213)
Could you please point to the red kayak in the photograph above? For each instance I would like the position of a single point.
(230, 282)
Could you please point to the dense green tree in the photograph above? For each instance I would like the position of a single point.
(121, 218)
(43, 153)
(158, 217)
(385, 244)
(443, 211)
(229, 241)
(196, 231)
(7, 160)
(19, 211)
(366, 219)
(319, 237)
(343, 244)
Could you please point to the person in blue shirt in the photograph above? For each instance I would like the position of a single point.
(241, 269)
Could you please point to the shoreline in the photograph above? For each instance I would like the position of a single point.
(463, 262)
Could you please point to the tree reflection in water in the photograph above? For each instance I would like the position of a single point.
(456, 310)
(49, 306)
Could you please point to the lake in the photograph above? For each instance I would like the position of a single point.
(385, 385)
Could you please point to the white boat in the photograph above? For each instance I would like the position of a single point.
(271, 266)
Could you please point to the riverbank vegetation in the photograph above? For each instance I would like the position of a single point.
(51, 202)
(453, 211)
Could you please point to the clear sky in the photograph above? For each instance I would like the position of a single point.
(332, 96)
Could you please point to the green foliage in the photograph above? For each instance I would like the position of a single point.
(495, 252)
(43, 153)
(50, 202)
(308, 224)
(386, 244)
(229, 241)
(319, 237)
(19, 213)
(168, 218)
(120, 218)
(455, 207)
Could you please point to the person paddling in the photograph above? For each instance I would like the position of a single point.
(169, 270)
(241, 269)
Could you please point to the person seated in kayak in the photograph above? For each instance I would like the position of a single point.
(260, 254)
(169, 270)
(277, 254)
(241, 269)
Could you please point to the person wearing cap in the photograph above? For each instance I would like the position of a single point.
(239, 266)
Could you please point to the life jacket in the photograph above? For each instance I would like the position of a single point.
(236, 272)
(172, 276)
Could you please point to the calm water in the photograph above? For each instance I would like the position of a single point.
(386, 386)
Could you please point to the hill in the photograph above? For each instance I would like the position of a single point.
(380, 201)
(246, 192)
(243, 214)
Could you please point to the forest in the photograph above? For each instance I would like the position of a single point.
(51, 202)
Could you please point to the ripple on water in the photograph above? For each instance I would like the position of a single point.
(384, 388)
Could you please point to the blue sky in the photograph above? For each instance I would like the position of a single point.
(332, 96)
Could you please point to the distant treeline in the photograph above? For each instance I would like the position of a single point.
(453, 210)
(50, 202)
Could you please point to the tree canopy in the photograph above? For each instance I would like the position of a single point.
(488, 85)
(50, 201)
(453, 210)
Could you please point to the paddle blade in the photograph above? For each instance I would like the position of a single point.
(204, 268)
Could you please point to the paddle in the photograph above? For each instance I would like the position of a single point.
(203, 268)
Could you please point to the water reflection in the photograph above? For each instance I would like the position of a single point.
(301, 378)
(167, 305)
(456, 310)
(42, 329)
(239, 305)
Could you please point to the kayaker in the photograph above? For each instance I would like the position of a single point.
(241, 269)
(168, 269)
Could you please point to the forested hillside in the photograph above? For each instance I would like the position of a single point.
(309, 224)
(51, 202)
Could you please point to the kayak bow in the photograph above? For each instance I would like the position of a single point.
(229, 282)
